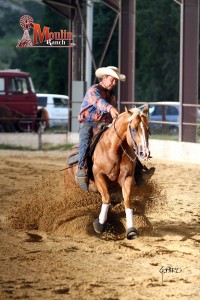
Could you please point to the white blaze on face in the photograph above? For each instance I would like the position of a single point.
(144, 142)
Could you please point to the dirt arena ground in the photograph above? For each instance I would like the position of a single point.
(48, 248)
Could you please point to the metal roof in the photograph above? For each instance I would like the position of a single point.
(68, 7)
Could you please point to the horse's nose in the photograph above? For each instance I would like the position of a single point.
(141, 155)
(143, 152)
(140, 150)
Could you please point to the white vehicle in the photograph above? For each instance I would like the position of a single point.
(57, 107)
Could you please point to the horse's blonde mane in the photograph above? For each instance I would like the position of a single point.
(135, 112)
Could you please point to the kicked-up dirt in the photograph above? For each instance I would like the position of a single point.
(49, 250)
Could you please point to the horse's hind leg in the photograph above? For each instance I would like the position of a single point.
(99, 223)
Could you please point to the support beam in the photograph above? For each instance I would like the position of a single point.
(189, 61)
(89, 32)
(70, 81)
(77, 54)
(127, 49)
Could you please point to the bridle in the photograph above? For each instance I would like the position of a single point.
(124, 150)
(133, 139)
(145, 141)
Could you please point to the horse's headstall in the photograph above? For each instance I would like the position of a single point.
(133, 134)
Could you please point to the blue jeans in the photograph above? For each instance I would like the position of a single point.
(85, 136)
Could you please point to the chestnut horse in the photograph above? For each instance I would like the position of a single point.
(114, 158)
(42, 120)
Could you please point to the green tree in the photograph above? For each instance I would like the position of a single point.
(10, 29)
(157, 50)
(103, 22)
(157, 46)
(48, 66)
(58, 68)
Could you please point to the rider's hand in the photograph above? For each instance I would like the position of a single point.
(114, 112)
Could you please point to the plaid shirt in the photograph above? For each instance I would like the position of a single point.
(96, 105)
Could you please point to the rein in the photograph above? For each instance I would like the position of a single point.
(132, 134)
(68, 167)
(124, 150)
(132, 137)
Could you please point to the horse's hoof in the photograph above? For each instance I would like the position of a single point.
(132, 233)
(98, 227)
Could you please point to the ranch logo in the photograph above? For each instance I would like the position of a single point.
(43, 38)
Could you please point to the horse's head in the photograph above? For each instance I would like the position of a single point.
(138, 131)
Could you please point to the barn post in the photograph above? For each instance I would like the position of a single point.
(127, 49)
(189, 64)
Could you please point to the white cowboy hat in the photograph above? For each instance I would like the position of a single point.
(112, 71)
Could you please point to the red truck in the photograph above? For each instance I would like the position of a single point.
(18, 102)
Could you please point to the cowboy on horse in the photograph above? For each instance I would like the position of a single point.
(99, 108)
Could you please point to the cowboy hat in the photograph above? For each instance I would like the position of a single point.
(112, 71)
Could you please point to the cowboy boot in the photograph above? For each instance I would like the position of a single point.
(82, 178)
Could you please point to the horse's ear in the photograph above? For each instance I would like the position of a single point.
(146, 110)
(128, 111)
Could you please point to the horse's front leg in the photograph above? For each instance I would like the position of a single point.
(99, 223)
(127, 185)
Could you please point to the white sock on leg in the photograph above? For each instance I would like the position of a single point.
(103, 213)
(129, 217)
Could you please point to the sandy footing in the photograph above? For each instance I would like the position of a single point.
(49, 250)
